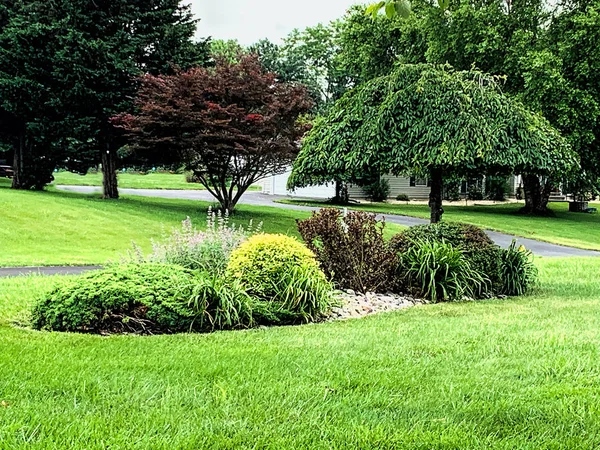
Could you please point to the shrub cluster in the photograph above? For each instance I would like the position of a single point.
(281, 271)
(213, 280)
(460, 235)
(487, 270)
(378, 191)
(136, 298)
(442, 262)
(352, 250)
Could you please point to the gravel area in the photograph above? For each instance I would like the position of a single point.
(355, 305)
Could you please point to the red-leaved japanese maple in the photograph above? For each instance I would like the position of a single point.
(232, 124)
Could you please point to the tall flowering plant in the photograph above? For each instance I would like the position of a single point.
(206, 250)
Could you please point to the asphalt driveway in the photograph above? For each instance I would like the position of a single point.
(259, 199)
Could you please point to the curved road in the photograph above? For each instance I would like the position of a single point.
(258, 199)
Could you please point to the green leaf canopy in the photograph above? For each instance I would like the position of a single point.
(426, 118)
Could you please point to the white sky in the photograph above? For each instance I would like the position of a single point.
(251, 20)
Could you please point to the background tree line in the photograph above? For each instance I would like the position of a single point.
(66, 67)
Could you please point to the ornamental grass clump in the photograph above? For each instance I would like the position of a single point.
(285, 275)
(222, 303)
(505, 271)
(517, 271)
(438, 271)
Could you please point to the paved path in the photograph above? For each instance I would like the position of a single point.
(258, 199)
(45, 270)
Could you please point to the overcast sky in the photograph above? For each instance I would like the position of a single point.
(251, 20)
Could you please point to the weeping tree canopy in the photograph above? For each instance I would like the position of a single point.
(432, 121)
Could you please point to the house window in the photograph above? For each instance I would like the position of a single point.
(414, 182)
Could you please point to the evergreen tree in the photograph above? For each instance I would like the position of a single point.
(67, 66)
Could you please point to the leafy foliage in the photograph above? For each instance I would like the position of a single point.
(392, 8)
(378, 190)
(441, 272)
(144, 298)
(518, 273)
(231, 125)
(351, 250)
(496, 188)
(207, 250)
(283, 273)
(460, 235)
(432, 120)
(67, 66)
(487, 261)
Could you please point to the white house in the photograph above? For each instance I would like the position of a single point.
(414, 188)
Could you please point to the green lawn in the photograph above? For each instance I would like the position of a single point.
(503, 374)
(571, 229)
(55, 227)
(151, 180)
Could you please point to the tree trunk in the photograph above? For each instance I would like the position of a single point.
(341, 193)
(435, 195)
(537, 195)
(109, 173)
(18, 163)
(229, 200)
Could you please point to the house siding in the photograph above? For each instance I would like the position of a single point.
(276, 185)
(398, 185)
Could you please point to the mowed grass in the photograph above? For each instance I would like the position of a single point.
(151, 180)
(572, 229)
(61, 228)
(520, 373)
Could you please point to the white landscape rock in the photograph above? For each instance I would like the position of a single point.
(355, 305)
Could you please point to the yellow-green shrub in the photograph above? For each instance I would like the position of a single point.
(283, 271)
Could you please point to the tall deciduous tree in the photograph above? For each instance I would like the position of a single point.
(541, 50)
(434, 121)
(574, 99)
(232, 125)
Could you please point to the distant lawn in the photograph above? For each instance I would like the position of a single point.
(504, 374)
(55, 227)
(152, 180)
(572, 229)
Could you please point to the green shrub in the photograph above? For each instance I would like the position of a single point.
(282, 272)
(460, 235)
(378, 190)
(440, 272)
(222, 303)
(452, 190)
(402, 198)
(487, 261)
(351, 250)
(517, 271)
(496, 188)
(136, 298)
(474, 192)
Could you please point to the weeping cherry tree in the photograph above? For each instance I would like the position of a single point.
(431, 121)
